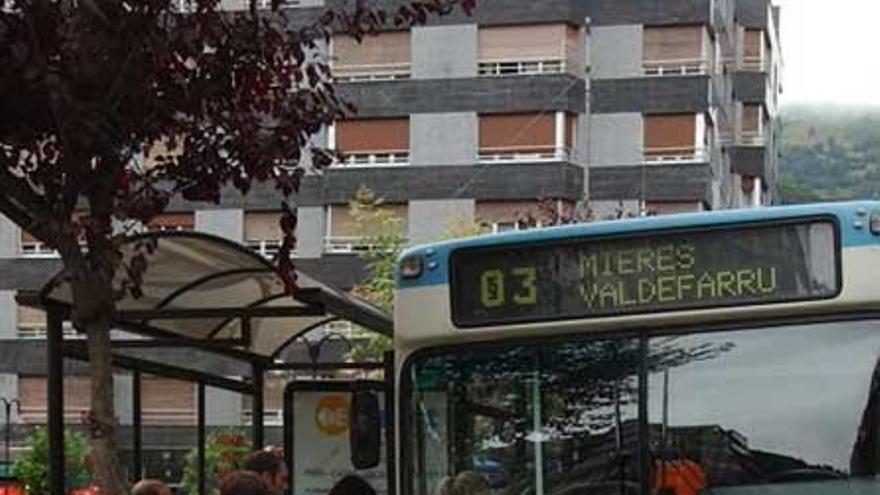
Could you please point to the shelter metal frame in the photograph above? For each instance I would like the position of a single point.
(312, 302)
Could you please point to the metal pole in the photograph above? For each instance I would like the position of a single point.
(8, 406)
(644, 426)
(201, 438)
(55, 379)
(390, 423)
(257, 409)
(136, 424)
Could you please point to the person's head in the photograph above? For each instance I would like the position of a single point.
(150, 487)
(352, 485)
(270, 466)
(470, 483)
(243, 483)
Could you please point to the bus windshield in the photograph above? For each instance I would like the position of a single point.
(796, 407)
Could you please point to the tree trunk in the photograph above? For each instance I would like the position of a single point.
(94, 306)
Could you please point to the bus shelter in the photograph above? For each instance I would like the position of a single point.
(205, 293)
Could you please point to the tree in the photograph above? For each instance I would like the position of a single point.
(32, 468)
(87, 87)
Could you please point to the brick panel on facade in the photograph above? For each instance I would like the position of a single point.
(559, 92)
(650, 95)
(659, 12)
(652, 182)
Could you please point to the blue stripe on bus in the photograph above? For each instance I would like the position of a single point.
(854, 219)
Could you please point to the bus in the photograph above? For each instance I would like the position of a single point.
(731, 352)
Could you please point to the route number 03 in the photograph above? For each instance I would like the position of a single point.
(492, 287)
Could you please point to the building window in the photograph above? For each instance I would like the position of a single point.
(496, 217)
(676, 50)
(531, 50)
(675, 138)
(345, 236)
(752, 125)
(372, 142)
(31, 247)
(31, 324)
(385, 56)
(33, 394)
(170, 222)
(168, 402)
(526, 137)
(753, 50)
(262, 233)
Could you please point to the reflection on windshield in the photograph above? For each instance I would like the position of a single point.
(787, 407)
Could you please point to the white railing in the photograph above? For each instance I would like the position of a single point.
(348, 244)
(370, 72)
(267, 248)
(752, 138)
(676, 155)
(756, 64)
(393, 158)
(496, 68)
(166, 417)
(37, 249)
(271, 417)
(339, 327)
(680, 67)
(38, 331)
(509, 154)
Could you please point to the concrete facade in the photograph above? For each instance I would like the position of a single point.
(226, 223)
(443, 138)
(10, 237)
(616, 139)
(430, 220)
(616, 51)
(311, 227)
(8, 315)
(222, 407)
(444, 52)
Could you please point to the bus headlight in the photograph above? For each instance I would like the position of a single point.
(411, 266)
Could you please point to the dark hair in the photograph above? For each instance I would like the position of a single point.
(149, 487)
(243, 483)
(262, 462)
(352, 485)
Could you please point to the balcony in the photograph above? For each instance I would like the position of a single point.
(37, 249)
(675, 68)
(370, 72)
(75, 415)
(754, 64)
(679, 154)
(523, 154)
(394, 158)
(37, 331)
(497, 68)
(752, 138)
(349, 244)
(271, 417)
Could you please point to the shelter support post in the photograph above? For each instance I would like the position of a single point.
(201, 438)
(55, 385)
(390, 422)
(136, 425)
(257, 406)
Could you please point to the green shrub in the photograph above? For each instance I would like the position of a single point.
(225, 451)
(32, 468)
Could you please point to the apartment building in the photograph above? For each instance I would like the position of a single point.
(601, 107)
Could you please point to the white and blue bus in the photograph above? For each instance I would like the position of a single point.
(730, 352)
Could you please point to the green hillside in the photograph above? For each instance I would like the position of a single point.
(829, 153)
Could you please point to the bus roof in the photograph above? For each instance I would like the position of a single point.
(853, 219)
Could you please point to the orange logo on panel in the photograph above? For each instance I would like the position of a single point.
(331, 415)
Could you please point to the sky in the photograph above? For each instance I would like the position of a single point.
(831, 51)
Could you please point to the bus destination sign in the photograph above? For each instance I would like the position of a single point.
(585, 278)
